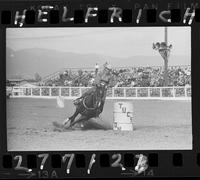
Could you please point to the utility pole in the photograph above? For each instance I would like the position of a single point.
(164, 51)
(166, 78)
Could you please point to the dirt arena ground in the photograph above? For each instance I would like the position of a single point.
(159, 125)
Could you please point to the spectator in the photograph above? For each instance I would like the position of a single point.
(96, 68)
(128, 77)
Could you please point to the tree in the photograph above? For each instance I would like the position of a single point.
(37, 77)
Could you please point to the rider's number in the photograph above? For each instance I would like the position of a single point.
(117, 163)
(19, 162)
(71, 158)
(44, 159)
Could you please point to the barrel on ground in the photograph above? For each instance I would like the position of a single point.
(123, 116)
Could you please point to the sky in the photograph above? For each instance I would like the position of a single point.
(108, 41)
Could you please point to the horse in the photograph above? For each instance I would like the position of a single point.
(90, 105)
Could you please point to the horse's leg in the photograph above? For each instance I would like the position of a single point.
(82, 118)
(72, 118)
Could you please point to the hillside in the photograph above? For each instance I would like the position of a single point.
(46, 61)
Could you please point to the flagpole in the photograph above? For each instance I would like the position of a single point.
(166, 62)
(166, 36)
(164, 51)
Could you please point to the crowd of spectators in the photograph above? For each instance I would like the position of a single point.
(127, 77)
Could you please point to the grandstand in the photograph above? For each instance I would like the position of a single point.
(133, 83)
(132, 76)
(57, 74)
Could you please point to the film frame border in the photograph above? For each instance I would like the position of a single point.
(161, 162)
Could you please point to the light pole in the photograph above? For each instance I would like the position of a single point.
(164, 51)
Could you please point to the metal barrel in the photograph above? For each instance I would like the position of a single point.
(123, 116)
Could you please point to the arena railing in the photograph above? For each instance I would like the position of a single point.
(177, 92)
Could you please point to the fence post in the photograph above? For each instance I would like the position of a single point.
(31, 91)
(40, 91)
(60, 91)
(185, 89)
(124, 92)
(113, 91)
(160, 92)
(70, 91)
(50, 91)
(136, 92)
(148, 92)
(173, 92)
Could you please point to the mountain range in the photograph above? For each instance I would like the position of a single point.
(27, 62)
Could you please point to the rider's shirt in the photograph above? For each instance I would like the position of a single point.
(104, 75)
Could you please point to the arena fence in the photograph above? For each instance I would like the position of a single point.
(112, 93)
